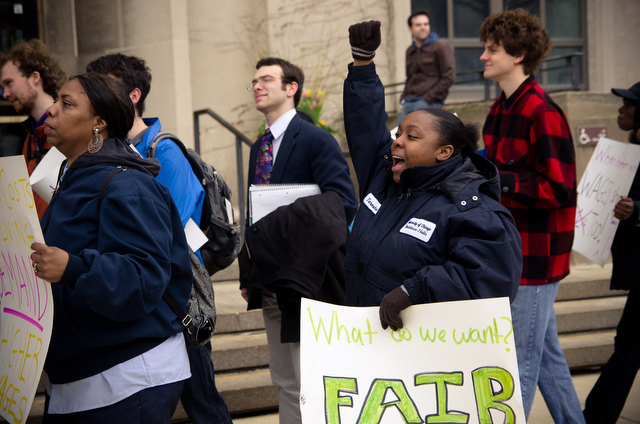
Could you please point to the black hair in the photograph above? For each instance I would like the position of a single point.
(131, 71)
(451, 130)
(424, 12)
(290, 73)
(109, 100)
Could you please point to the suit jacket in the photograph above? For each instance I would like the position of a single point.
(307, 155)
(310, 155)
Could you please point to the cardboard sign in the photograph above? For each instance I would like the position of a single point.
(452, 362)
(26, 303)
(608, 176)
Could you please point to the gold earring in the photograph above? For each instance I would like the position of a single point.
(95, 144)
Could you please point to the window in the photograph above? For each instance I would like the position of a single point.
(458, 22)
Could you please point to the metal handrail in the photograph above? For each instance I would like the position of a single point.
(240, 138)
(570, 63)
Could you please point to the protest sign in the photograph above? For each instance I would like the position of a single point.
(26, 304)
(608, 176)
(453, 362)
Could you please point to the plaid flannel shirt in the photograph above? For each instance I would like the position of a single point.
(528, 138)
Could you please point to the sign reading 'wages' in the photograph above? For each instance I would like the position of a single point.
(608, 176)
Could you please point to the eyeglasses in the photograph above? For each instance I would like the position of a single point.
(262, 81)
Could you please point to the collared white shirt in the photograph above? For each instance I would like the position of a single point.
(166, 363)
(278, 129)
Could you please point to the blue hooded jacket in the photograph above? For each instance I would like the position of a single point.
(108, 303)
(441, 232)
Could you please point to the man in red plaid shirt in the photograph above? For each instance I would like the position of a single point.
(527, 137)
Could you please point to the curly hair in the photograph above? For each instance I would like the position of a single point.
(519, 33)
(34, 56)
(131, 71)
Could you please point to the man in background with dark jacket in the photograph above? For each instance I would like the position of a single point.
(31, 76)
(431, 67)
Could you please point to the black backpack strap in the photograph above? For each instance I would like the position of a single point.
(195, 167)
(167, 296)
(105, 183)
(185, 319)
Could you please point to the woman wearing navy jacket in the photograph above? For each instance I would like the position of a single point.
(430, 226)
(117, 351)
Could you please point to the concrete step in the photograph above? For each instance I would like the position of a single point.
(243, 393)
(248, 391)
(238, 351)
(586, 283)
(590, 349)
(589, 314)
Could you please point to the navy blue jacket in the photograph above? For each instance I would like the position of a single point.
(307, 155)
(441, 232)
(310, 155)
(108, 303)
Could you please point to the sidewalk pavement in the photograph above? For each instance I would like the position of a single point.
(582, 380)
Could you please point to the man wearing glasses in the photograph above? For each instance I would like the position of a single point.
(292, 151)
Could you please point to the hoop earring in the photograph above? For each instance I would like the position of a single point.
(95, 143)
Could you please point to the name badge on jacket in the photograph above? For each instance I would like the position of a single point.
(419, 228)
(372, 203)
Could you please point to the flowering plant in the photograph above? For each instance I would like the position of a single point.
(311, 104)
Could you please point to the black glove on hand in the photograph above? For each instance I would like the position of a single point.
(364, 39)
(394, 302)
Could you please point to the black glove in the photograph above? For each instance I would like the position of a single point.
(364, 39)
(394, 302)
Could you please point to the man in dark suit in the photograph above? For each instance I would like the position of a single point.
(292, 151)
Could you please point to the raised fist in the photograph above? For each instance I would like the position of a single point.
(364, 39)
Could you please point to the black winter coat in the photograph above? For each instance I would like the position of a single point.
(441, 232)
(625, 249)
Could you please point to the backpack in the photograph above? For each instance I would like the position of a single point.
(199, 321)
(217, 221)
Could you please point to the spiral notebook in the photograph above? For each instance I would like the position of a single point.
(266, 198)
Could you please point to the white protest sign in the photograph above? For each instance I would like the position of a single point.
(26, 304)
(452, 362)
(609, 175)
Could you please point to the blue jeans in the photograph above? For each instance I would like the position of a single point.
(412, 106)
(541, 361)
(200, 398)
(154, 405)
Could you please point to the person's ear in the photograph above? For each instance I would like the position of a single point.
(444, 152)
(518, 59)
(135, 96)
(35, 78)
(291, 88)
(100, 124)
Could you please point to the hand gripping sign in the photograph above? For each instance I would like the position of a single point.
(26, 304)
(453, 362)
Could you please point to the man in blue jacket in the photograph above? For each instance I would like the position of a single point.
(200, 398)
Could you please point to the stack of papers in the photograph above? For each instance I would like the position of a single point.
(266, 198)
